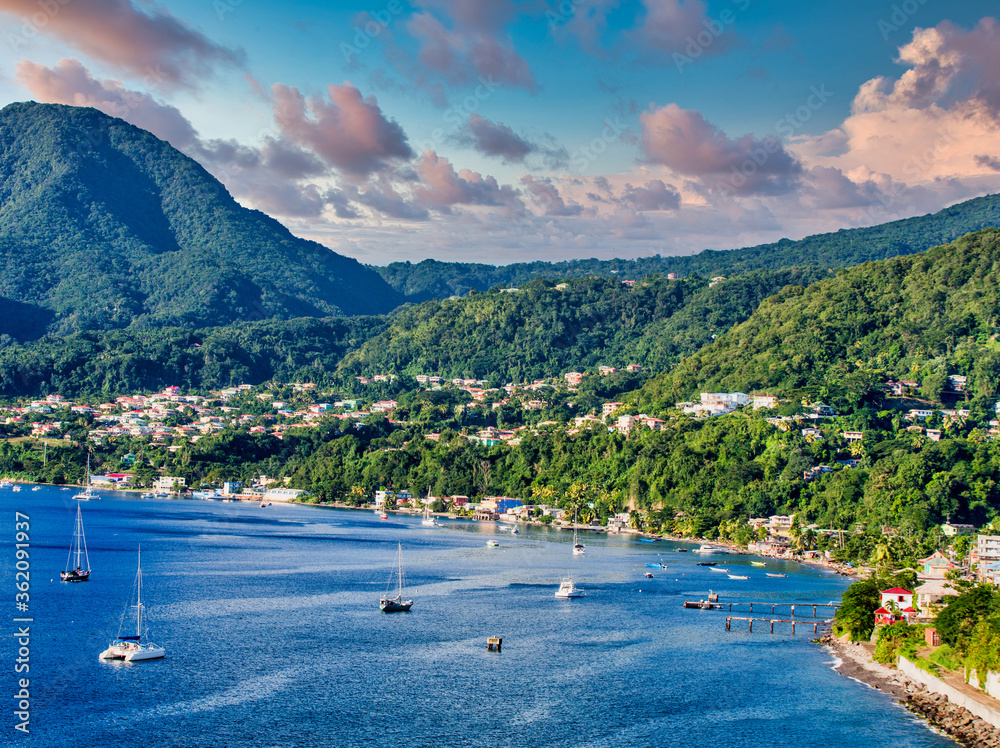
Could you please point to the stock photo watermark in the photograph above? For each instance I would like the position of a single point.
(22, 622)
(224, 7)
(698, 44)
(47, 10)
(366, 33)
(787, 125)
(899, 18)
(457, 114)
(582, 157)
(887, 199)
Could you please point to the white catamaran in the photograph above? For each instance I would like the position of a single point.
(134, 647)
(395, 604)
(77, 562)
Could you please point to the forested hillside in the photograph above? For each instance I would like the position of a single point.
(104, 226)
(919, 317)
(545, 328)
(839, 249)
(118, 362)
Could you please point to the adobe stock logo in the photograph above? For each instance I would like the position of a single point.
(786, 126)
(364, 35)
(714, 28)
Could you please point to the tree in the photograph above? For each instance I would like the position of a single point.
(856, 614)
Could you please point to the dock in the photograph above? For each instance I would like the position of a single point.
(772, 621)
(827, 608)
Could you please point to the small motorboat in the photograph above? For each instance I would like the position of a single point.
(654, 566)
(706, 563)
(682, 550)
(775, 575)
(647, 540)
(738, 576)
(757, 563)
(492, 544)
(649, 575)
(718, 569)
(568, 590)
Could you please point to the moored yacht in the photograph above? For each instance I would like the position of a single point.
(136, 646)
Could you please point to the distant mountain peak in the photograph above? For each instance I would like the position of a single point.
(103, 225)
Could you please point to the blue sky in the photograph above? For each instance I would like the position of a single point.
(505, 130)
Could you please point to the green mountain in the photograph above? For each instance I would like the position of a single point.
(544, 329)
(922, 317)
(433, 279)
(103, 226)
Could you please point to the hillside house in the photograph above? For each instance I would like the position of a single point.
(934, 566)
(933, 592)
(951, 529)
(897, 605)
(765, 401)
(608, 408)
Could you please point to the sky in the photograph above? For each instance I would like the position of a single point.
(504, 131)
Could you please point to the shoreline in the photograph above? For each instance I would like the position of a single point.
(958, 723)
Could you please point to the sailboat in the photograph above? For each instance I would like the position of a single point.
(75, 571)
(137, 646)
(395, 604)
(88, 492)
(578, 549)
(428, 520)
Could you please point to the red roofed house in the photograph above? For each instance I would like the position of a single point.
(897, 605)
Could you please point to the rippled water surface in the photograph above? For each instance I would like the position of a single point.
(274, 638)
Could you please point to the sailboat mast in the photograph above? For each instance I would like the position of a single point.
(399, 557)
(78, 533)
(138, 598)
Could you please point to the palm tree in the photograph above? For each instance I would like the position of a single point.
(883, 554)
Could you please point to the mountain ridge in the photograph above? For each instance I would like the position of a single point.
(103, 225)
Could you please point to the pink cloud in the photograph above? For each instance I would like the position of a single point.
(546, 194)
(69, 82)
(268, 177)
(149, 43)
(464, 53)
(931, 125)
(442, 186)
(496, 139)
(683, 27)
(684, 141)
(654, 196)
(349, 132)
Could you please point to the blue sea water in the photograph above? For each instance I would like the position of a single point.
(274, 638)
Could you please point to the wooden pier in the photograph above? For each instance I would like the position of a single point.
(762, 607)
(772, 621)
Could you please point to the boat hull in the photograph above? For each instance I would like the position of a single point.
(130, 652)
(392, 606)
(75, 576)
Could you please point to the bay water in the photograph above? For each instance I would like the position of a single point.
(273, 635)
